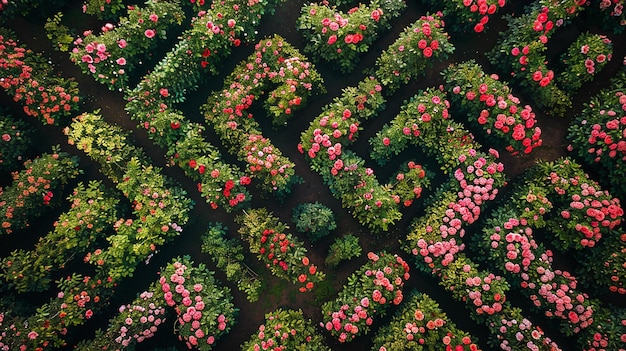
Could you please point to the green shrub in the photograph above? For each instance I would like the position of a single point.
(314, 219)
(344, 248)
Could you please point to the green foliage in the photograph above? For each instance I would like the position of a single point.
(313, 219)
(344, 248)
(228, 255)
(583, 60)
(15, 140)
(59, 33)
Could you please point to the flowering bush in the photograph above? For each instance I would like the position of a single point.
(90, 216)
(205, 311)
(610, 15)
(16, 140)
(465, 14)
(512, 331)
(338, 37)
(109, 56)
(273, 62)
(367, 295)
(422, 325)
(285, 330)
(228, 256)
(30, 79)
(583, 59)
(413, 52)
(33, 189)
(605, 267)
(487, 101)
(135, 322)
(282, 253)
(597, 134)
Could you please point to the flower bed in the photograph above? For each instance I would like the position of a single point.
(204, 308)
(111, 55)
(340, 38)
(283, 254)
(274, 62)
(33, 189)
(228, 256)
(285, 330)
(597, 134)
(489, 103)
(422, 325)
(366, 296)
(31, 81)
(90, 217)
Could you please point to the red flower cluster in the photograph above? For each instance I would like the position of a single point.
(483, 8)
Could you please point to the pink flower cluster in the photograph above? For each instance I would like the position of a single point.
(143, 327)
(553, 290)
(479, 294)
(607, 140)
(519, 329)
(592, 208)
(191, 311)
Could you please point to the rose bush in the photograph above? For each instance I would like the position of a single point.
(285, 330)
(32, 191)
(204, 309)
(490, 103)
(31, 80)
(341, 38)
(597, 134)
(465, 14)
(111, 55)
(283, 254)
(584, 59)
(366, 296)
(422, 325)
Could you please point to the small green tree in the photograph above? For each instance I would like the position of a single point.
(314, 219)
(344, 248)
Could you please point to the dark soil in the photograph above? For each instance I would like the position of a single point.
(278, 293)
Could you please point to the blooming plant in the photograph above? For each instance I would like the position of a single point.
(30, 80)
(583, 59)
(204, 309)
(422, 325)
(413, 52)
(228, 255)
(338, 37)
(273, 62)
(135, 322)
(283, 254)
(366, 296)
(16, 139)
(487, 101)
(465, 14)
(91, 215)
(103, 9)
(285, 330)
(597, 134)
(33, 189)
(112, 54)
